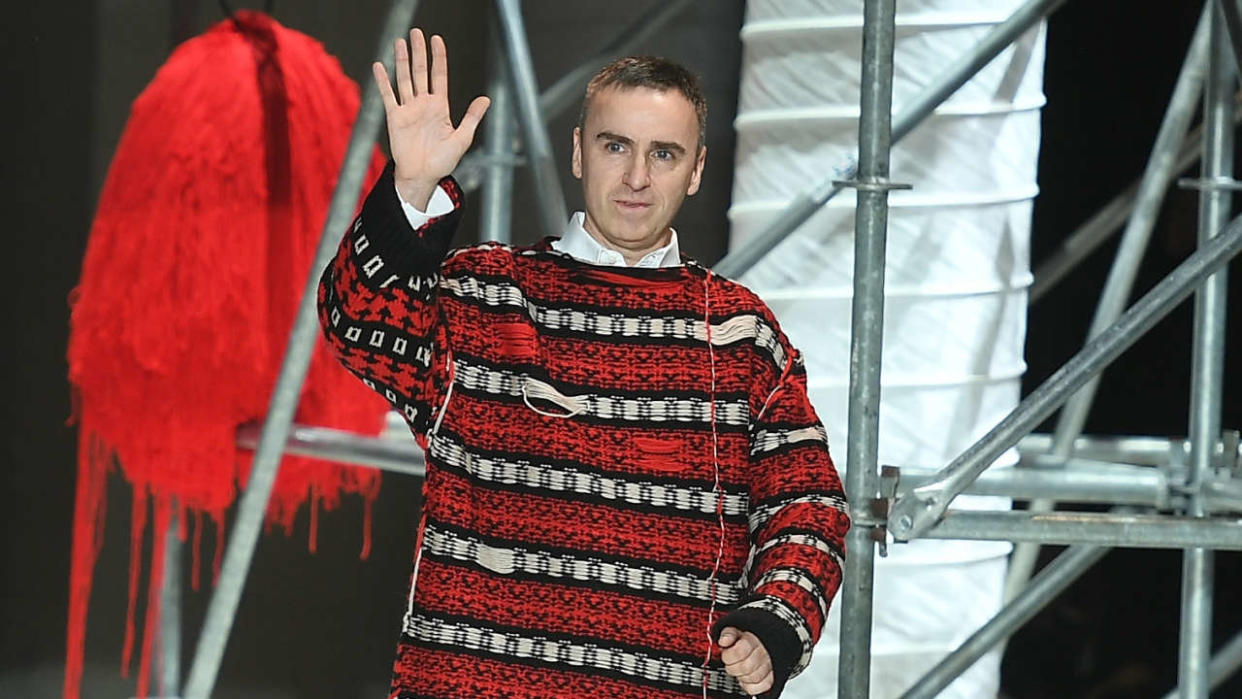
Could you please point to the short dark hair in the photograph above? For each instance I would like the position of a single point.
(652, 72)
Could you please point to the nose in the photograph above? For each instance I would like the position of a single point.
(637, 175)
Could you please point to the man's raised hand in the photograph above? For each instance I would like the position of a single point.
(425, 145)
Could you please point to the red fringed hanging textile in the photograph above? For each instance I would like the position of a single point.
(200, 248)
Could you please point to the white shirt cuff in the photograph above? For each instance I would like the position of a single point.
(439, 204)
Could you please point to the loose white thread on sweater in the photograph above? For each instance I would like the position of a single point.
(534, 388)
(716, 487)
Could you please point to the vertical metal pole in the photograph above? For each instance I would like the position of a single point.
(1207, 363)
(1159, 173)
(169, 669)
(249, 520)
(497, 200)
(539, 155)
(867, 334)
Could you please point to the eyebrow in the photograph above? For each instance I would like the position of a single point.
(661, 145)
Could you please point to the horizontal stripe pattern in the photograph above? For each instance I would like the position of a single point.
(564, 652)
(618, 323)
(476, 377)
(769, 440)
(544, 476)
(555, 565)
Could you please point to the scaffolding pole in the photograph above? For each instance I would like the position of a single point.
(249, 520)
(549, 199)
(1157, 176)
(1208, 359)
(866, 340)
(496, 205)
(914, 514)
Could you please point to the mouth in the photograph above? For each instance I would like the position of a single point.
(630, 205)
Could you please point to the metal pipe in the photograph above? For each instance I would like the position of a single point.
(399, 456)
(1046, 586)
(249, 521)
(1224, 664)
(1233, 23)
(169, 667)
(1156, 179)
(866, 340)
(1079, 481)
(1151, 451)
(805, 204)
(1208, 359)
(1117, 530)
(918, 511)
(496, 210)
(568, 90)
(1155, 182)
(539, 157)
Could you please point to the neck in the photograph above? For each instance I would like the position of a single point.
(631, 256)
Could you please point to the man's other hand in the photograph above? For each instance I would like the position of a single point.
(746, 659)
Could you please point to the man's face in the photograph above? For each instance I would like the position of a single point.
(638, 157)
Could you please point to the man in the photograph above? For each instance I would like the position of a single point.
(628, 493)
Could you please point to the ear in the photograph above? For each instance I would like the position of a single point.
(696, 177)
(576, 165)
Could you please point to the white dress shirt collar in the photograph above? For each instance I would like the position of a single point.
(579, 244)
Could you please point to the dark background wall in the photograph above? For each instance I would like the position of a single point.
(324, 625)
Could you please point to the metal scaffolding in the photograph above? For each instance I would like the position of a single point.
(1163, 493)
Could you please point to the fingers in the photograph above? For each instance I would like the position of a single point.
(756, 686)
(439, 66)
(746, 659)
(385, 87)
(401, 57)
(470, 121)
(418, 61)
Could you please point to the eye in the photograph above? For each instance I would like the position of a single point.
(614, 147)
(663, 154)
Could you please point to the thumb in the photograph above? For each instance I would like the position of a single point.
(474, 114)
(728, 637)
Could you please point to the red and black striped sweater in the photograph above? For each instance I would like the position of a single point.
(619, 461)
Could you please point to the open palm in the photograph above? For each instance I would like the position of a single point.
(425, 145)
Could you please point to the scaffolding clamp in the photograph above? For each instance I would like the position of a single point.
(878, 508)
(1210, 184)
(872, 184)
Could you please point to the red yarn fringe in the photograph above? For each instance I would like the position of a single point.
(200, 248)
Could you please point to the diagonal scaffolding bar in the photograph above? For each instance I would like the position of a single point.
(914, 514)
(1050, 582)
(737, 262)
(1226, 662)
(249, 520)
(549, 199)
(1157, 176)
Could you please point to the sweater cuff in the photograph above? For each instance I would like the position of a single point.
(407, 250)
(778, 638)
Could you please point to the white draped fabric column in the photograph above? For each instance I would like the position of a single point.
(957, 278)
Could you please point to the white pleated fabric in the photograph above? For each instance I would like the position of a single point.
(957, 277)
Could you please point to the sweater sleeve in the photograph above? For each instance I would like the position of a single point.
(378, 301)
(798, 521)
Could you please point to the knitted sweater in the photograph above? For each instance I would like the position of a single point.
(620, 461)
